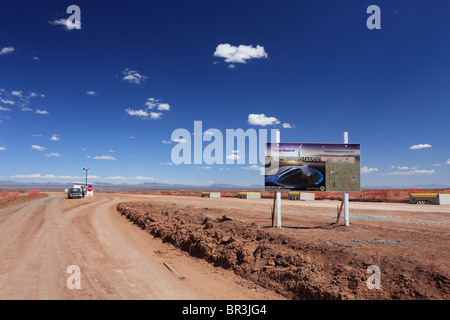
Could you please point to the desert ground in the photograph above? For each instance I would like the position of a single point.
(184, 247)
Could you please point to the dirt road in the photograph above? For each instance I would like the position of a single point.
(42, 239)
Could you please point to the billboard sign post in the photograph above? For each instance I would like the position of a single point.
(313, 167)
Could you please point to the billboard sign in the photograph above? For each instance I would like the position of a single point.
(312, 167)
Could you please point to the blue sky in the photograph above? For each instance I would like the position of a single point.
(91, 96)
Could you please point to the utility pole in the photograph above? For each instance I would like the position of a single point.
(86, 170)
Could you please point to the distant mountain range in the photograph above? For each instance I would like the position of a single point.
(102, 186)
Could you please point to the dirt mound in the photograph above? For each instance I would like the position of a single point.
(9, 202)
(296, 268)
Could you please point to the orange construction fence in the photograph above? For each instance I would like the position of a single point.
(17, 193)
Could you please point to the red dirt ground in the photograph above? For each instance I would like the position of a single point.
(311, 257)
(9, 202)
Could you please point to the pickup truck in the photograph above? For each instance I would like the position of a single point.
(74, 193)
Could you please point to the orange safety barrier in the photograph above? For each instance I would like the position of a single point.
(17, 193)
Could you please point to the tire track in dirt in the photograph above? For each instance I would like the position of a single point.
(41, 239)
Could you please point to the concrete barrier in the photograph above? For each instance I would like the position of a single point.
(301, 196)
(249, 195)
(210, 194)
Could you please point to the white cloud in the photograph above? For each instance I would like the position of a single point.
(133, 76)
(405, 167)
(2, 148)
(47, 176)
(35, 58)
(233, 157)
(6, 50)
(231, 66)
(204, 168)
(287, 126)
(53, 155)
(409, 173)
(164, 107)
(116, 178)
(241, 54)
(235, 151)
(16, 93)
(365, 169)
(151, 103)
(448, 161)
(90, 93)
(165, 164)
(4, 109)
(262, 120)
(167, 142)
(36, 95)
(108, 157)
(6, 101)
(83, 149)
(20, 176)
(55, 137)
(72, 177)
(144, 178)
(224, 169)
(112, 151)
(252, 167)
(63, 22)
(179, 140)
(420, 146)
(38, 148)
(42, 111)
(137, 113)
(156, 115)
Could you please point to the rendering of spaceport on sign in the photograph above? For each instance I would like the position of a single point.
(313, 167)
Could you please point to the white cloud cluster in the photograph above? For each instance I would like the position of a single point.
(63, 22)
(6, 50)
(240, 54)
(420, 146)
(67, 177)
(366, 169)
(404, 167)
(288, 126)
(262, 120)
(137, 113)
(133, 76)
(410, 172)
(19, 99)
(108, 157)
(38, 148)
(55, 137)
(55, 154)
(146, 113)
(90, 93)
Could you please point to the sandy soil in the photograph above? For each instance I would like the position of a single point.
(9, 202)
(311, 257)
(41, 239)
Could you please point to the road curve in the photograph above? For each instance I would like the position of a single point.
(41, 239)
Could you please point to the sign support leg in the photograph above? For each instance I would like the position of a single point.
(346, 194)
(278, 192)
